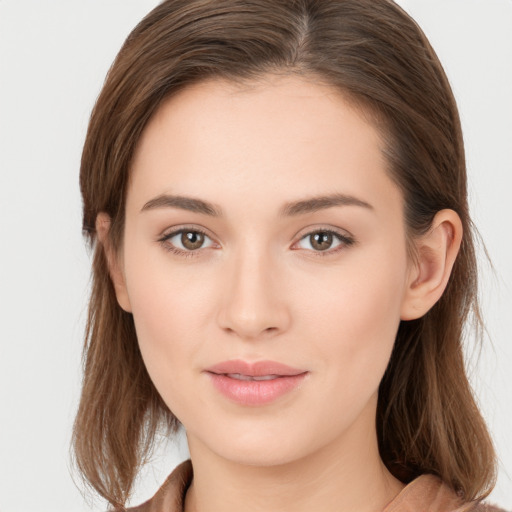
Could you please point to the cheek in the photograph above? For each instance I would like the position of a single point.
(355, 316)
(344, 321)
(169, 310)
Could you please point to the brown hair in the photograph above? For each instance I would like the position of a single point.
(427, 419)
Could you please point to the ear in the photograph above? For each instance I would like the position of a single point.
(114, 267)
(429, 273)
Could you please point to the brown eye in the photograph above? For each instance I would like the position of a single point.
(192, 240)
(186, 241)
(324, 241)
(321, 241)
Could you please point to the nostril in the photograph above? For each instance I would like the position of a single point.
(252, 307)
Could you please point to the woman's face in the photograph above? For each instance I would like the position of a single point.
(265, 265)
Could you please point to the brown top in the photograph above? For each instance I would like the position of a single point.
(426, 493)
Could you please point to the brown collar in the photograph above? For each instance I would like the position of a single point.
(427, 493)
(171, 496)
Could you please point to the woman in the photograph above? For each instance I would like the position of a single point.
(283, 264)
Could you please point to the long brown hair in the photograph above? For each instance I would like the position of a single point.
(427, 419)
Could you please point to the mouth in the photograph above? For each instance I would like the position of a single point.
(239, 376)
(268, 369)
(255, 384)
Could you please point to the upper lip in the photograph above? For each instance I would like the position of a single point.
(256, 369)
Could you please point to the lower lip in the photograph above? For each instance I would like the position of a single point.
(256, 392)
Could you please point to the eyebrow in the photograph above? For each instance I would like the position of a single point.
(301, 207)
(183, 203)
(315, 204)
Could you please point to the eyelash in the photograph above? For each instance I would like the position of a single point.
(345, 241)
(164, 241)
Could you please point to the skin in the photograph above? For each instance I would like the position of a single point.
(259, 290)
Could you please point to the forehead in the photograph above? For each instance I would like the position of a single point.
(279, 133)
(282, 108)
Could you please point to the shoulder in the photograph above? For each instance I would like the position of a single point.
(426, 493)
(485, 507)
(170, 497)
(430, 494)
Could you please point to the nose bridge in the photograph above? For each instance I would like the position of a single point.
(254, 302)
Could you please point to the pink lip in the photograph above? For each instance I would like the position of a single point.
(281, 380)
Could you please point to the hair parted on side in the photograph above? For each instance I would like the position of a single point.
(374, 53)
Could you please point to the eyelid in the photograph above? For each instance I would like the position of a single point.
(345, 238)
(169, 233)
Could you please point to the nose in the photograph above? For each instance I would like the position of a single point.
(254, 304)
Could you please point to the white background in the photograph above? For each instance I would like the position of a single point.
(53, 57)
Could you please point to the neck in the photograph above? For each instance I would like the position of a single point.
(344, 475)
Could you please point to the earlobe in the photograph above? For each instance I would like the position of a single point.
(103, 222)
(436, 253)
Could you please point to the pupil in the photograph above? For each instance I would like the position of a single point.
(322, 241)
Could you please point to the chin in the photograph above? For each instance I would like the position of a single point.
(260, 445)
(259, 457)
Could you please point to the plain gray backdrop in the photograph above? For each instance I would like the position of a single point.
(54, 55)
